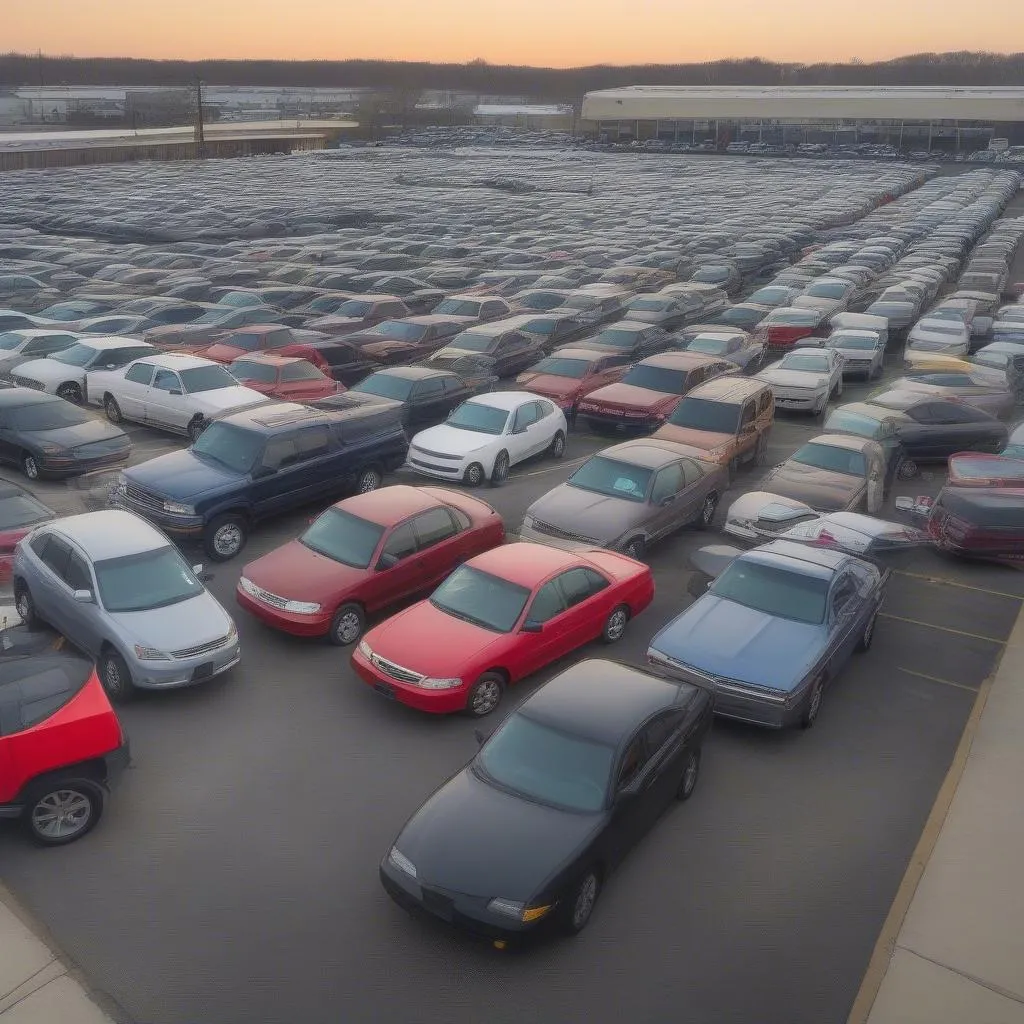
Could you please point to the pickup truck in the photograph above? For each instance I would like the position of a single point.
(261, 462)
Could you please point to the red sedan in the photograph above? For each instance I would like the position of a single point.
(570, 374)
(783, 328)
(287, 378)
(498, 618)
(364, 554)
(19, 514)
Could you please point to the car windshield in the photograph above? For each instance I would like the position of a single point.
(385, 385)
(656, 378)
(10, 341)
(649, 305)
(827, 290)
(250, 369)
(792, 318)
(301, 369)
(542, 300)
(948, 313)
(255, 341)
(813, 362)
(709, 346)
(354, 307)
(582, 302)
(480, 598)
(395, 329)
(484, 419)
(147, 580)
(851, 341)
(343, 537)
(51, 415)
(704, 414)
(559, 367)
(769, 295)
(458, 307)
(711, 275)
(832, 458)
(214, 316)
(781, 593)
(613, 478)
(547, 765)
(469, 342)
(844, 421)
(206, 378)
(21, 510)
(234, 447)
(542, 326)
(616, 339)
(76, 355)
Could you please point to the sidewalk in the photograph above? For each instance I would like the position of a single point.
(36, 987)
(958, 954)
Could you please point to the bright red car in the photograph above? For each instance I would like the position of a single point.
(20, 513)
(570, 374)
(498, 618)
(783, 328)
(232, 345)
(61, 744)
(287, 378)
(364, 554)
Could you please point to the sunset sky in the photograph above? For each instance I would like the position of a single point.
(557, 33)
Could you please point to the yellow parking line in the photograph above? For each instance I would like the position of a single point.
(944, 629)
(953, 583)
(936, 679)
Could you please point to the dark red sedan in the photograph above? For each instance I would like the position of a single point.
(364, 554)
(570, 374)
(783, 328)
(20, 513)
(287, 378)
(498, 618)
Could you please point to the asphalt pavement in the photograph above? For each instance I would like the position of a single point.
(234, 876)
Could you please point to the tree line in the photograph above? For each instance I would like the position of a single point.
(550, 84)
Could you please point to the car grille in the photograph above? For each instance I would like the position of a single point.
(194, 652)
(26, 382)
(437, 455)
(267, 597)
(403, 675)
(102, 449)
(785, 393)
(137, 496)
(553, 531)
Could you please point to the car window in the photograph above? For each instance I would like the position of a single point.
(55, 556)
(526, 415)
(166, 380)
(452, 385)
(749, 414)
(433, 526)
(548, 603)
(669, 481)
(493, 308)
(120, 356)
(632, 761)
(429, 389)
(39, 545)
(660, 728)
(280, 452)
(76, 574)
(950, 413)
(692, 472)
(402, 542)
(845, 591)
(579, 584)
(140, 373)
(313, 441)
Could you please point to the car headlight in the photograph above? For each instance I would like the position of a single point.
(429, 683)
(302, 607)
(528, 522)
(399, 860)
(247, 585)
(365, 650)
(517, 909)
(51, 449)
(177, 508)
(150, 654)
(232, 630)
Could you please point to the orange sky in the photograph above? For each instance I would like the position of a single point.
(556, 33)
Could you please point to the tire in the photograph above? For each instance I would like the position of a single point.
(615, 625)
(369, 480)
(499, 472)
(30, 467)
(70, 392)
(691, 773)
(839, 388)
(195, 430)
(580, 902)
(819, 411)
(557, 449)
(115, 677)
(474, 475)
(635, 549)
(813, 706)
(907, 470)
(225, 537)
(59, 812)
(485, 695)
(112, 409)
(707, 512)
(26, 606)
(347, 625)
(868, 636)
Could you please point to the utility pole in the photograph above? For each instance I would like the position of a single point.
(200, 126)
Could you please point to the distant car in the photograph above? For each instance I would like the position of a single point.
(552, 802)
(20, 346)
(427, 396)
(828, 295)
(800, 611)
(627, 338)
(552, 330)
(20, 513)
(498, 618)
(744, 315)
(932, 335)
(737, 346)
(508, 349)
(487, 435)
(256, 339)
(360, 313)
(539, 299)
(65, 372)
(593, 309)
(985, 389)
(481, 308)
(363, 555)
(399, 341)
(120, 591)
(666, 311)
(784, 327)
(214, 324)
(285, 378)
(773, 295)
(169, 391)
(863, 352)
(628, 497)
(570, 374)
(806, 379)
(833, 473)
(338, 359)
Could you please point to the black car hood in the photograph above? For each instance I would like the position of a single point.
(83, 433)
(473, 838)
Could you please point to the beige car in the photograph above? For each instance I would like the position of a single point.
(984, 388)
(726, 421)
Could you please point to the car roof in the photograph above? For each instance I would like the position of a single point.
(587, 354)
(272, 416)
(269, 358)
(602, 700)
(18, 396)
(648, 452)
(36, 332)
(254, 329)
(508, 400)
(679, 360)
(388, 505)
(812, 561)
(525, 563)
(848, 441)
(110, 533)
(103, 343)
(176, 361)
(729, 388)
(872, 410)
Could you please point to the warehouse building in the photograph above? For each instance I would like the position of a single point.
(933, 118)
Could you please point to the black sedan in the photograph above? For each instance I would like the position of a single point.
(525, 836)
(45, 436)
(427, 396)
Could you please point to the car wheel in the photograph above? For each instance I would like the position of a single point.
(839, 388)
(116, 678)
(29, 466)
(499, 473)
(195, 429)
(691, 773)
(580, 902)
(813, 706)
(474, 475)
(70, 392)
(819, 410)
(557, 449)
(25, 606)
(112, 409)
(485, 695)
(369, 480)
(615, 624)
(635, 549)
(347, 625)
(225, 537)
(63, 811)
(868, 635)
(707, 512)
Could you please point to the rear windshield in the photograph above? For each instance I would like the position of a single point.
(813, 362)
(616, 339)
(709, 346)
(656, 378)
(458, 307)
(831, 458)
(558, 367)
(36, 684)
(470, 342)
(260, 373)
(396, 329)
(851, 342)
(354, 307)
(18, 510)
(845, 422)
(703, 414)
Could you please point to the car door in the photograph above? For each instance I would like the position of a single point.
(521, 441)
(132, 392)
(665, 738)
(277, 477)
(970, 428)
(636, 797)
(515, 353)
(587, 605)
(436, 530)
(166, 402)
(49, 591)
(82, 620)
(398, 571)
(10, 446)
(746, 440)
(844, 606)
(427, 403)
(952, 429)
(539, 642)
(670, 505)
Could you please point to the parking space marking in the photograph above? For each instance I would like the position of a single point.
(942, 581)
(944, 629)
(551, 469)
(936, 679)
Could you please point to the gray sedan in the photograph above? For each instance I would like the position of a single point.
(119, 590)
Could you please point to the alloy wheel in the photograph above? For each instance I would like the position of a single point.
(586, 897)
(61, 814)
(228, 540)
(30, 467)
(616, 625)
(348, 628)
(486, 696)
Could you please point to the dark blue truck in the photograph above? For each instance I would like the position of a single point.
(263, 462)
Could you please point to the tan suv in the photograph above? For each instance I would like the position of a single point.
(726, 420)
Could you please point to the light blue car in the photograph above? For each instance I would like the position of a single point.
(774, 628)
(1016, 442)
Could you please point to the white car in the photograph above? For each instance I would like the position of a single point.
(486, 435)
(64, 373)
(863, 352)
(170, 391)
(805, 379)
(828, 294)
(939, 337)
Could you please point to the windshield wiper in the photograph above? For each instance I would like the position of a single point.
(464, 617)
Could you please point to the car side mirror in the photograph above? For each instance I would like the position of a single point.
(201, 574)
(387, 561)
(83, 596)
(532, 626)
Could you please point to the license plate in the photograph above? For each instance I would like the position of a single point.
(384, 690)
(203, 671)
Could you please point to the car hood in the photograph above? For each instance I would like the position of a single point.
(223, 352)
(709, 441)
(82, 434)
(629, 395)
(425, 639)
(793, 378)
(182, 475)
(47, 371)
(816, 302)
(378, 349)
(822, 489)
(597, 516)
(298, 573)
(453, 440)
(471, 837)
(759, 648)
(199, 620)
(549, 383)
(237, 396)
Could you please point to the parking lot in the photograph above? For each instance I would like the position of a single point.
(234, 880)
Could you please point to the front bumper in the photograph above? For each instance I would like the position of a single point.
(287, 622)
(799, 401)
(175, 526)
(435, 702)
(440, 468)
(61, 466)
(564, 539)
(624, 422)
(181, 672)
